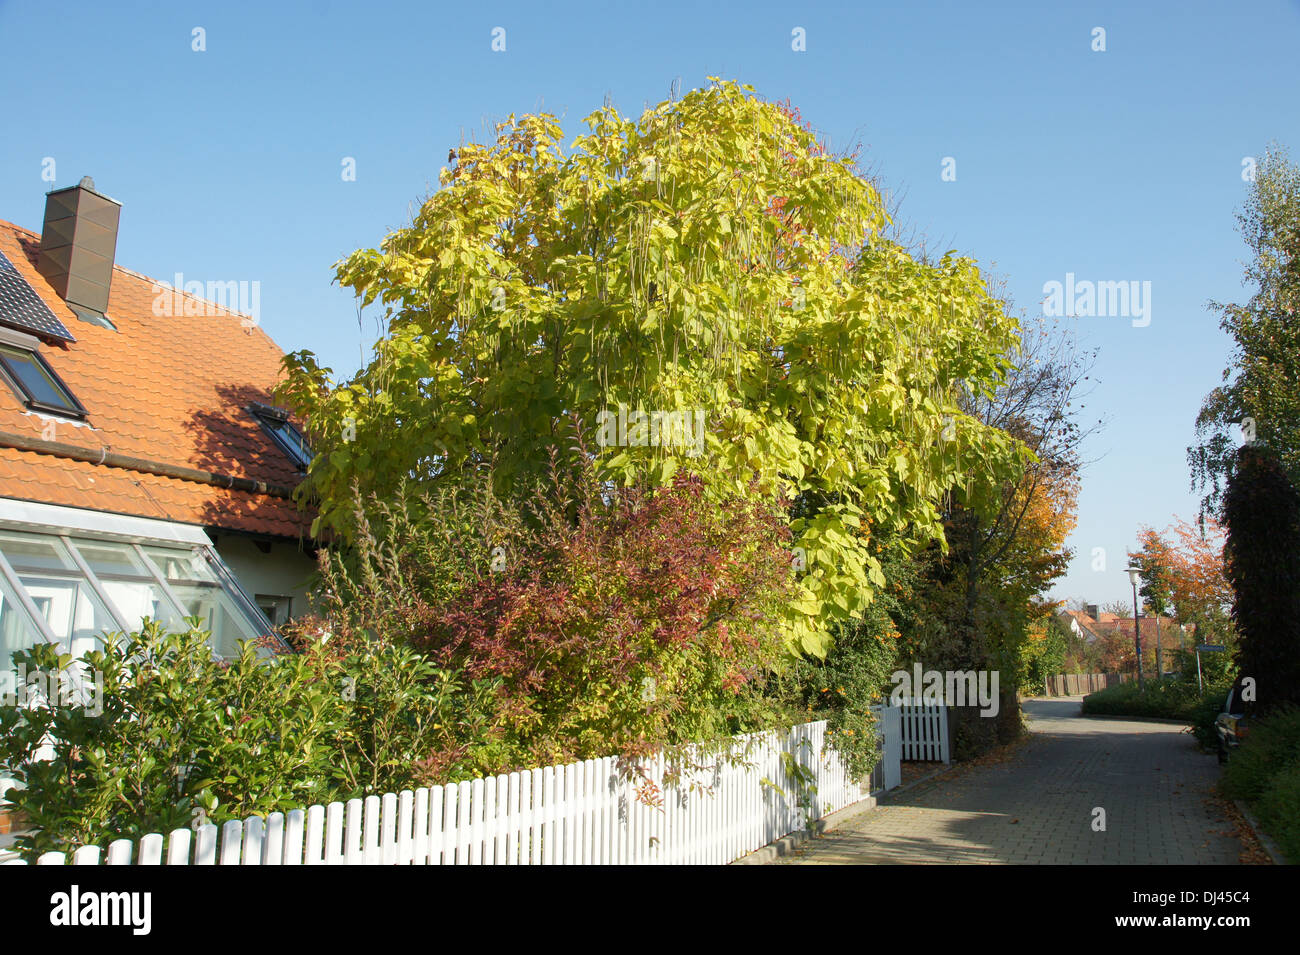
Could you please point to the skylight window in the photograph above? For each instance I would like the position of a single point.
(35, 382)
(285, 433)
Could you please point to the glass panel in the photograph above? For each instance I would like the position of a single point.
(197, 587)
(107, 558)
(33, 378)
(77, 616)
(182, 565)
(129, 584)
(35, 552)
(16, 633)
(219, 615)
(294, 441)
(61, 594)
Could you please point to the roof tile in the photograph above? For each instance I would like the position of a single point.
(167, 388)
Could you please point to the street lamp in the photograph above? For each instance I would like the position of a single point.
(1135, 574)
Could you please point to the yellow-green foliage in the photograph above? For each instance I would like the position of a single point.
(706, 256)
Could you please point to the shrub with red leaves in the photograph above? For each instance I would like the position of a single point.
(630, 621)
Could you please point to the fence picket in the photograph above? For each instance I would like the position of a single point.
(405, 822)
(722, 805)
(370, 832)
(178, 847)
(86, 855)
(205, 847)
(273, 842)
(294, 824)
(254, 831)
(151, 850)
(388, 829)
(314, 839)
(435, 825)
(353, 846)
(232, 837)
(334, 848)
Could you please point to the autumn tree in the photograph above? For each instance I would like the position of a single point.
(1260, 397)
(712, 282)
(1153, 560)
(1184, 575)
(981, 596)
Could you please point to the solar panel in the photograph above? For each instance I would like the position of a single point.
(22, 308)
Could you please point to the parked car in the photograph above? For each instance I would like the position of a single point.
(1231, 724)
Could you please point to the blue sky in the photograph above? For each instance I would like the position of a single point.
(1122, 165)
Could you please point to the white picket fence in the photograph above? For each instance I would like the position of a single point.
(586, 812)
(924, 731)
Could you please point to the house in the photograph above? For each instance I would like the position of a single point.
(144, 471)
(1080, 623)
(1092, 624)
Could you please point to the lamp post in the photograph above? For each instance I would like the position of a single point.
(1134, 573)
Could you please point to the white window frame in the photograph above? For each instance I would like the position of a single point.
(64, 523)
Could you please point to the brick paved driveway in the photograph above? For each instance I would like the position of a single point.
(1037, 805)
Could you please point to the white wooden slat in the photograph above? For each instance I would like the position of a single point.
(295, 822)
(151, 850)
(335, 818)
(205, 845)
(516, 834)
(371, 832)
(475, 843)
(254, 834)
(582, 811)
(119, 852)
(464, 823)
(546, 824)
(353, 841)
(388, 829)
(86, 855)
(569, 813)
(486, 837)
(273, 841)
(314, 837)
(232, 837)
(451, 823)
(51, 858)
(405, 827)
(503, 819)
(437, 824)
(530, 799)
(420, 828)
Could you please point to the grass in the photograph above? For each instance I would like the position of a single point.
(1265, 773)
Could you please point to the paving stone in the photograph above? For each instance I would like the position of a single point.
(1150, 778)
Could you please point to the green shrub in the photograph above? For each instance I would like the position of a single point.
(1165, 699)
(1278, 809)
(1273, 743)
(1203, 715)
(172, 735)
(842, 688)
(1265, 772)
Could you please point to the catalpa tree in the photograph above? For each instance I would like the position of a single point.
(709, 262)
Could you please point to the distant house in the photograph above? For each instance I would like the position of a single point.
(1083, 624)
(143, 469)
(1092, 624)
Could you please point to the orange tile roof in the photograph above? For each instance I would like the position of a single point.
(171, 389)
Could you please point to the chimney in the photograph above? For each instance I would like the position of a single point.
(1093, 610)
(78, 242)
